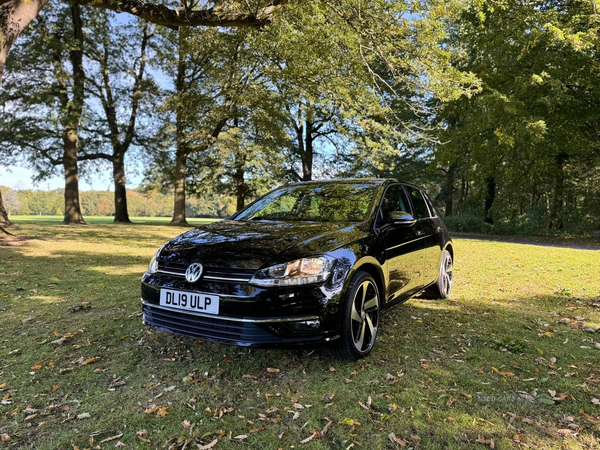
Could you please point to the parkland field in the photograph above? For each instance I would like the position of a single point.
(511, 360)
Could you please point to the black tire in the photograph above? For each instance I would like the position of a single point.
(442, 288)
(352, 344)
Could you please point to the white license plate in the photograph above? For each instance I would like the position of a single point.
(190, 301)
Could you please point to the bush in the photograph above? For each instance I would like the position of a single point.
(468, 223)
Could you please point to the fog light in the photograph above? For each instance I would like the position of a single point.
(304, 325)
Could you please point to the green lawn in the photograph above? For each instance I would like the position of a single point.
(78, 368)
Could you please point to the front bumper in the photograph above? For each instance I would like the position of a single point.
(262, 318)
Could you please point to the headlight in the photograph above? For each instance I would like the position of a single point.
(153, 262)
(301, 271)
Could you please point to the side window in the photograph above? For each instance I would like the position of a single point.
(432, 210)
(419, 204)
(394, 200)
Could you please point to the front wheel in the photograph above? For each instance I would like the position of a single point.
(443, 285)
(360, 318)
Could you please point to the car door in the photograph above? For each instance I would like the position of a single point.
(430, 226)
(403, 246)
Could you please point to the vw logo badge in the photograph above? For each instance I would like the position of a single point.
(193, 272)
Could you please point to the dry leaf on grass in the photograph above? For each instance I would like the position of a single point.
(208, 446)
(112, 438)
(482, 440)
(161, 411)
(392, 437)
(308, 439)
(272, 370)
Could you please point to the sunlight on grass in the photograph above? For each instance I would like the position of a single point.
(518, 323)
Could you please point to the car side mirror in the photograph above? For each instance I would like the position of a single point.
(402, 218)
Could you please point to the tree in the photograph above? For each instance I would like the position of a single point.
(16, 15)
(351, 78)
(44, 100)
(529, 139)
(4, 220)
(120, 84)
(208, 83)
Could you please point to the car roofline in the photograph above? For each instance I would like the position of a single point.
(381, 181)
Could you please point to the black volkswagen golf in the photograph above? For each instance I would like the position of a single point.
(305, 265)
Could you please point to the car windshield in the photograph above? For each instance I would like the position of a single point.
(341, 202)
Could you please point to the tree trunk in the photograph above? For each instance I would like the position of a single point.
(179, 189)
(71, 119)
(449, 190)
(307, 155)
(4, 220)
(461, 197)
(15, 15)
(490, 196)
(72, 208)
(240, 188)
(121, 214)
(182, 154)
(556, 204)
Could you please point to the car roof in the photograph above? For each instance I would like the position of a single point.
(382, 181)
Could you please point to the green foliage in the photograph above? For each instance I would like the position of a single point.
(534, 128)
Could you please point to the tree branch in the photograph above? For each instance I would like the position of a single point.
(91, 156)
(209, 17)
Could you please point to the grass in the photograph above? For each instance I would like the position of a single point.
(77, 367)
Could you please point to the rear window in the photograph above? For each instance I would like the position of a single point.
(421, 210)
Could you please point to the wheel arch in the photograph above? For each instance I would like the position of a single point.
(450, 248)
(373, 268)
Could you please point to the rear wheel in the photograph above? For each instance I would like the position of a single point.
(360, 318)
(443, 285)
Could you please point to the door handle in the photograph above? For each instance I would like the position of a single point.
(419, 232)
(438, 229)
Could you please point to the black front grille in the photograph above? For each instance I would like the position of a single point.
(208, 328)
(210, 273)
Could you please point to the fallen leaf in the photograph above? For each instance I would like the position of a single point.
(112, 438)
(37, 366)
(241, 437)
(89, 360)
(84, 416)
(208, 446)
(350, 422)
(272, 370)
(186, 423)
(327, 398)
(5, 437)
(482, 440)
(308, 439)
(392, 437)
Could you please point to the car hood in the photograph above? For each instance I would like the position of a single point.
(252, 245)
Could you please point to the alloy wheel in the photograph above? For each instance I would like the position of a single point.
(365, 316)
(447, 274)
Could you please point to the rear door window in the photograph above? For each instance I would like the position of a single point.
(418, 202)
